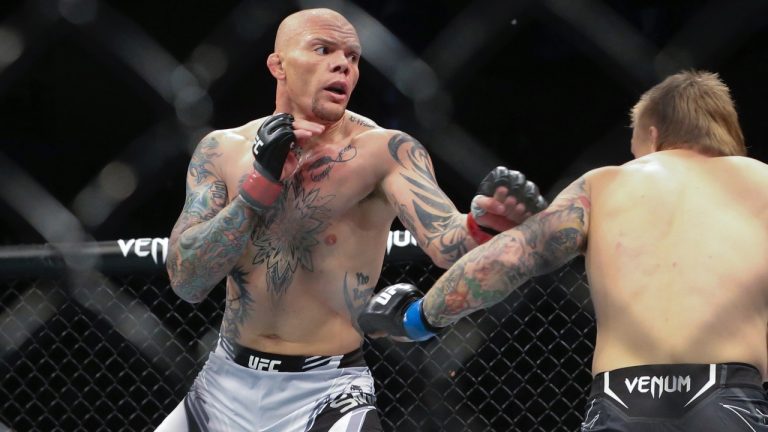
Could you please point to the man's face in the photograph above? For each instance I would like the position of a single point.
(321, 68)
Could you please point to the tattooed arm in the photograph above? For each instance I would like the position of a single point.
(421, 205)
(488, 274)
(209, 235)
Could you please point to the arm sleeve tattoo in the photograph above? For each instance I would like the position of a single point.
(422, 206)
(488, 274)
(209, 235)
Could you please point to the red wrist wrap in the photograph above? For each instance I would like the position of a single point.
(260, 192)
(477, 233)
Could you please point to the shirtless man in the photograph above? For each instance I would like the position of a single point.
(294, 210)
(676, 248)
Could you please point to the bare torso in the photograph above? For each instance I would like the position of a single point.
(677, 261)
(313, 261)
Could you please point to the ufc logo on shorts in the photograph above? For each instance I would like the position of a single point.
(385, 295)
(261, 364)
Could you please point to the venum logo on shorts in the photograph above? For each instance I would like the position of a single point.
(263, 364)
(659, 384)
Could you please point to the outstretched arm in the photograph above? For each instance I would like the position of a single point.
(421, 205)
(424, 209)
(489, 273)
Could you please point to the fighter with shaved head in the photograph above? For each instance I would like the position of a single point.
(294, 210)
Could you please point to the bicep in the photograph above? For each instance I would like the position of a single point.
(411, 186)
(206, 191)
(559, 233)
(423, 208)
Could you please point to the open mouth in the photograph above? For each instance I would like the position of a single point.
(336, 89)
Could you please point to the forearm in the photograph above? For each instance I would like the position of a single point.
(488, 273)
(204, 253)
(481, 278)
(448, 241)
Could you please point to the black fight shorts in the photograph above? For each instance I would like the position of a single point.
(725, 397)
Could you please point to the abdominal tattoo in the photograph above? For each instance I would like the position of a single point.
(356, 294)
(436, 215)
(285, 236)
(237, 310)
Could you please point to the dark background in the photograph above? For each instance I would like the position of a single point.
(101, 102)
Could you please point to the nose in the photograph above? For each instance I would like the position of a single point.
(340, 63)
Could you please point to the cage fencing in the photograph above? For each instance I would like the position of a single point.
(109, 347)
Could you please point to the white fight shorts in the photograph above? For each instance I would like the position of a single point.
(240, 389)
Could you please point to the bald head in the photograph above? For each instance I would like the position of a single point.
(295, 24)
(315, 63)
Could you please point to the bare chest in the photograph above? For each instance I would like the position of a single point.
(321, 216)
(334, 178)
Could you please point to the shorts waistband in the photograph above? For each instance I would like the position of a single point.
(639, 389)
(268, 362)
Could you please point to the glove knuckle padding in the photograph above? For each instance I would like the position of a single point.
(529, 195)
(511, 179)
(272, 145)
(385, 309)
(262, 187)
(501, 176)
(525, 191)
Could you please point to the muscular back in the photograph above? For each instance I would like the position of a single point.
(676, 259)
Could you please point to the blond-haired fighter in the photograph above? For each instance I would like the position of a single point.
(676, 247)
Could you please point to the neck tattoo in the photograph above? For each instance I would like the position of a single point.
(296, 150)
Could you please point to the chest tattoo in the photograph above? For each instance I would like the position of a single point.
(285, 237)
(321, 168)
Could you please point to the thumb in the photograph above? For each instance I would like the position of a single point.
(482, 204)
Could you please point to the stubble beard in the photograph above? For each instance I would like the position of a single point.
(330, 115)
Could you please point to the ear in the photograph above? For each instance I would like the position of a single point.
(275, 66)
(653, 133)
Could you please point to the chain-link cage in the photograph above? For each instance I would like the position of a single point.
(109, 353)
(122, 90)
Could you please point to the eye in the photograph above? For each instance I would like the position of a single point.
(322, 50)
(354, 57)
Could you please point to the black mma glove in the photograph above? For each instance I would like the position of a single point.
(524, 191)
(396, 310)
(270, 149)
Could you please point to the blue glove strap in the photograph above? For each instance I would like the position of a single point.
(413, 324)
